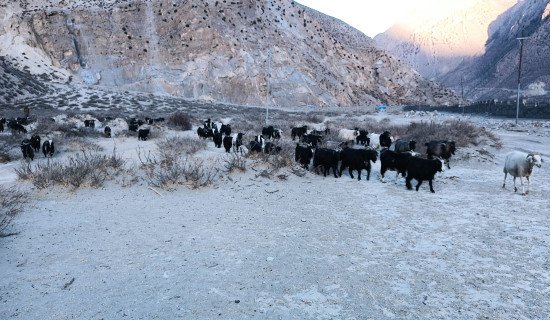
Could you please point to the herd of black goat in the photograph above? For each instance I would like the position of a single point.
(31, 146)
(356, 153)
(28, 146)
(398, 156)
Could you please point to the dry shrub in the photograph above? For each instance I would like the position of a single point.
(462, 132)
(24, 171)
(283, 159)
(45, 125)
(181, 120)
(332, 136)
(244, 124)
(234, 162)
(4, 157)
(84, 168)
(281, 125)
(164, 169)
(314, 117)
(177, 144)
(255, 126)
(9, 142)
(12, 201)
(497, 143)
(128, 133)
(75, 144)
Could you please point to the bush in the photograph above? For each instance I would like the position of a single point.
(462, 132)
(272, 163)
(243, 124)
(9, 142)
(4, 157)
(86, 167)
(12, 201)
(285, 158)
(314, 118)
(234, 162)
(44, 125)
(171, 168)
(71, 130)
(177, 144)
(181, 120)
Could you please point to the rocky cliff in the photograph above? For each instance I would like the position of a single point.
(476, 50)
(211, 50)
(436, 45)
(494, 74)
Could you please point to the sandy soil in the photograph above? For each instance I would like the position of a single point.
(302, 248)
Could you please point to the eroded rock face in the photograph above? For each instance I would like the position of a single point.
(475, 49)
(434, 45)
(218, 50)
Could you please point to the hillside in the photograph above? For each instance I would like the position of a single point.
(434, 46)
(212, 50)
(495, 73)
(475, 49)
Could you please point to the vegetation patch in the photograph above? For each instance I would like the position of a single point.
(12, 201)
(174, 164)
(84, 168)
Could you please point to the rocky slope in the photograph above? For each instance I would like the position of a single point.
(494, 74)
(476, 49)
(435, 46)
(211, 50)
(18, 84)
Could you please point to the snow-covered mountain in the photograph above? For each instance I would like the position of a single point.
(210, 49)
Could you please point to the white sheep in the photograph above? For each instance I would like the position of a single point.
(520, 164)
(348, 134)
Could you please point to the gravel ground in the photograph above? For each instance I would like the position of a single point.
(300, 248)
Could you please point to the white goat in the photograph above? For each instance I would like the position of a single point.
(348, 134)
(520, 164)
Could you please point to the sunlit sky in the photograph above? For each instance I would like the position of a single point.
(376, 16)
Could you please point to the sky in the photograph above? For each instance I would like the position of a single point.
(376, 16)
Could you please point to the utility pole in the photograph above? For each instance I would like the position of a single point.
(462, 87)
(462, 92)
(519, 71)
(267, 93)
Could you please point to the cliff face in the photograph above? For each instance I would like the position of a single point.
(435, 46)
(214, 50)
(494, 74)
(476, 50)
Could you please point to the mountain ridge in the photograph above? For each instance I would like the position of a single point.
(217, 51)
(492, 72)
(437, 46)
